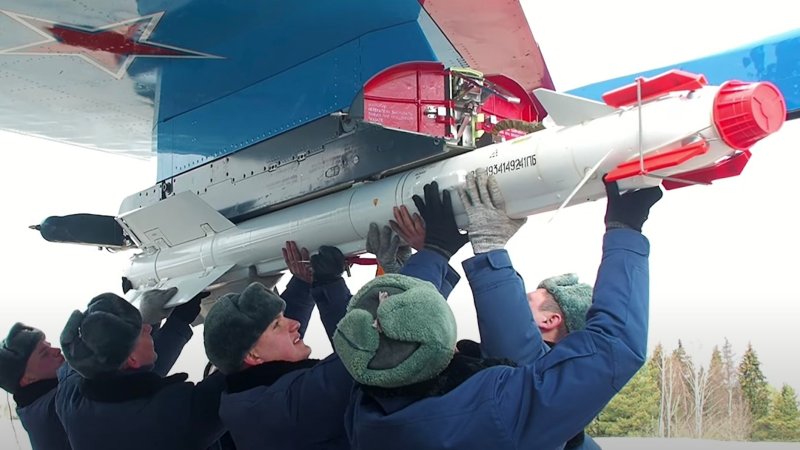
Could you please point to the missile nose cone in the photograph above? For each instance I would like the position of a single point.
(745, 113)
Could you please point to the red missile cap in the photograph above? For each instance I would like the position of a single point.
(745, 113)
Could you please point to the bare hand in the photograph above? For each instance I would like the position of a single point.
(298, 261)
(411, 229)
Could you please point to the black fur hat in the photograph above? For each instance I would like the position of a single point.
(14, 353)
(100, 339)
(235, 323)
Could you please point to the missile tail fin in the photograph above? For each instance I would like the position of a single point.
(175, 220)
(567, 109)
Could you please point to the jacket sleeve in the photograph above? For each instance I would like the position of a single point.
(205, 418)
(430, 266)
(545, 403)
(169, 341)
(299, 304)
(505, 321)
(331, 299)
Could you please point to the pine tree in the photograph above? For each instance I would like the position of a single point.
(658, 363)
(681, 406)
(754, 384)
(633, 411)
(783, 421)
(715, 407)
(738, 423)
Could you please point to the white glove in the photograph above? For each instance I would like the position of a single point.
(489, 226)
(152, 305)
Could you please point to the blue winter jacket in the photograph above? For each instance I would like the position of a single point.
(542, 403)
(301, 405)
(37, 412)
(133, 410)
(36, 403)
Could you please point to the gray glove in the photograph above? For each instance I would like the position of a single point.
(387, 248)
(489, 227)
(152, 305)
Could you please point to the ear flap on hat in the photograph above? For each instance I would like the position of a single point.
(398, 331)
(100, 339)
(71, 331)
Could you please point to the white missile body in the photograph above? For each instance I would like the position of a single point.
(188, 244)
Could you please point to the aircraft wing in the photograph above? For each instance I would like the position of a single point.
(774, 59)
(193, 81)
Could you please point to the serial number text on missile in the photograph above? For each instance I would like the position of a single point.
(512, 165)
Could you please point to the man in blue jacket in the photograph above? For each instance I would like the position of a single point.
(559, 304)
(112, 392)
(274, 389)
(29, 370)
(397, 341)
(28, 367)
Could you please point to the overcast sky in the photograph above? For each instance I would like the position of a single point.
(722, 256)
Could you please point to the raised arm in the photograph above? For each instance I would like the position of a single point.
(329, 290)
(547, 402)
(297, 295)
(172, 337)
(505, 322)
(428, 264)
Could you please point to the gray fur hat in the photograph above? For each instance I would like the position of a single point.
(235, 323)
(15, 350)
(573, 298)
(100, 339)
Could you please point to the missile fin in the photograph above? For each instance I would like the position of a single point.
(188, 286)
(175, 220)
(652, 163)
(567, 109)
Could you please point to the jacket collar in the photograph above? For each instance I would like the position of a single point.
(126, 386)
(460, 369)
(264, 374)
(32, 392)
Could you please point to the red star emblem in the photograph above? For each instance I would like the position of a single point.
(111, 48)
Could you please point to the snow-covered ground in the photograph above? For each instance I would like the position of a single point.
(9, 442)
(690, 444)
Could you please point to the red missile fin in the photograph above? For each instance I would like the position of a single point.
(730, 167)
(671, 81)
(652, 163)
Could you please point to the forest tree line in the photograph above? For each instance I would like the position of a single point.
(672, 396)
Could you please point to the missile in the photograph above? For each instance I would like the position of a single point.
(673, 129)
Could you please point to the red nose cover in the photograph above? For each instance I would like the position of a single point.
(745, 113)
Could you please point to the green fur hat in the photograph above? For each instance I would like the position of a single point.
(99, 340)
(398, 331)
(235, 323)
(14, 353)
(572, 297)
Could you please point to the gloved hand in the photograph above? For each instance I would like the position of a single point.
(629, 210)
(188, 311)
(489, 226)
(385, 245)
(441, 232)
(328, 265)
(152, 305)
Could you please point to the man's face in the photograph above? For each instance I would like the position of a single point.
(144, 352)
(43, 363)
(279, 342)
(535, 300)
